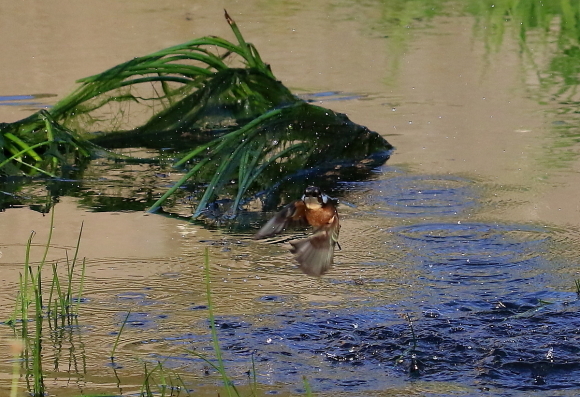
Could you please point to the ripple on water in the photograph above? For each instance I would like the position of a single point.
(472, 244)
(419, 195)
(470, 260)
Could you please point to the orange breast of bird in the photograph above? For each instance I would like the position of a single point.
(320, 217)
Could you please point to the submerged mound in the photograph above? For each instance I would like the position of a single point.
(211, 105)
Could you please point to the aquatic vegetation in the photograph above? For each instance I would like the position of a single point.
(214, 105)
(61, 310)
(279, 147)
(116, 343)
(33, 307)
(39, 145)
(159, 382)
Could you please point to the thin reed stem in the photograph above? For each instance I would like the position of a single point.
(119, 335)
(230, 388)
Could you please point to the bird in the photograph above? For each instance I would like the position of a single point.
(315, 253)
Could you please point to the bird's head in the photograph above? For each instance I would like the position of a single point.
(314, 198)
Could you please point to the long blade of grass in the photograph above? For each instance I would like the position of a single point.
(54, 288)
(254, 173)
(254, 377)
(60, 299)
(12, 320)
(119, 335)
(67, 299)
(23, 151)
(185, 48)
(219, 178)
(25, 289)
(17, 351)
(307, 386)
(183, 387)
(146, 387)
(37, 372)
(29, 150)
(50, 174)
(162, 378)
(81, 286)
(220, 367)
(214, 336)
(247, 54)
(48, 240)
(71, 268)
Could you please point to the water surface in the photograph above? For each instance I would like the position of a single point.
(456, 274)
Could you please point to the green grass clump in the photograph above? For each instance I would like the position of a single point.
(33, 307)
(40, 145)
(214, 105)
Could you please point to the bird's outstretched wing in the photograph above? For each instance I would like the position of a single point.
(292, 214)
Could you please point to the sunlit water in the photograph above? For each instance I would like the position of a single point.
(456, 274)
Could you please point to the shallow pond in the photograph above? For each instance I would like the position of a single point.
(459, 256)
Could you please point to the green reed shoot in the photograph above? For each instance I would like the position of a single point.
(230, 388)
(219, 366)
(16, 348)
(31, 294)
(119, 335)
(165, 385)
(146, 388)
(410, 352)
(32, 308)
(61, 298)
(254, 380)
(307, 386)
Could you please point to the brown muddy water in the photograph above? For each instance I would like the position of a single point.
(470, 230)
